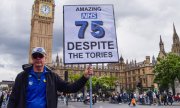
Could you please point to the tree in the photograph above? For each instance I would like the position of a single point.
(103, 82)
(166, 70)
(74, 77)
(107, 82)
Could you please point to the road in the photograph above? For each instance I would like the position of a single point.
(109, 105)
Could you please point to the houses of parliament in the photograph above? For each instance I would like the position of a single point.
(128, 73)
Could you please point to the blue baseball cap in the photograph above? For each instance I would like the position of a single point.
(40, 50)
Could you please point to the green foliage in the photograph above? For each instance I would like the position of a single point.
(103, 82)
(107, 82)
(73, 77)
(166, 70)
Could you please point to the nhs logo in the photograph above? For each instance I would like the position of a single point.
(89, 15)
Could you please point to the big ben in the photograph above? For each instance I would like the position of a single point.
(42, 27)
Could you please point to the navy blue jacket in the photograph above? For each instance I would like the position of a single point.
(54, 83)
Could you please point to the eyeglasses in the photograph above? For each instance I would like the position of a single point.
(37, 55)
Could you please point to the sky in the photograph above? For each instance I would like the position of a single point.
(139, 24)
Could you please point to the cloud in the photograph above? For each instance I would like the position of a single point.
(8, 67)
(1, 65)
(139, 23)
(7, 74)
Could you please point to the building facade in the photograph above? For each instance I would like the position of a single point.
(129, 73)
(176, 43)
(175, 49)
(42, 27)
(175, 46)
(162, 52)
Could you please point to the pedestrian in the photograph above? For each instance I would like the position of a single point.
(158, 98)
(170, 98)
(133, 101)
(150, 95)
(154, 98)
(1, 93)
(141, 98)
(165, 99)
(95, 98)
(120, 98)
(131, 96)
(1, 99)
(37, 85)
(103, 97)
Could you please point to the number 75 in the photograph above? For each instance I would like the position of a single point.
(97, 30)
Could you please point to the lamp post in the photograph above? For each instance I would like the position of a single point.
(90, 88)
(117, 86)
(139, 85)
(66, 79)
(177, 86)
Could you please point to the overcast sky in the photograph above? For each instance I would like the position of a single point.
(139, 24)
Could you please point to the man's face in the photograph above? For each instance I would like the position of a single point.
(38, 60)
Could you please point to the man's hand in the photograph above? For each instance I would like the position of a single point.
(88, 71)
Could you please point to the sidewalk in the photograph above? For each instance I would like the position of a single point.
(174, 104)
(110, 105)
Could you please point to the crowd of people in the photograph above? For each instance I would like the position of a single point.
(132, 99)
(146, 98)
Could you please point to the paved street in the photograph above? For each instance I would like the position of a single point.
(108, 105)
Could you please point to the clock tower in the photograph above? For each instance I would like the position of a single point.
(42, 27)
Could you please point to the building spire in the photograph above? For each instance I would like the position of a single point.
(161, 45)
(57, 59)
(174, 29)
(61, 60)
(162, 52)
(153, 60)
(160, 40)
(127, 61)
(121, 59)
(176, 44)
(175, 36)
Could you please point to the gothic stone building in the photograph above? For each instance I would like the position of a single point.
(174, 49)
(128, 74)
(175, 46)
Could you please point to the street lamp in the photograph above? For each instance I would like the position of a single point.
(177, 85)
(117, 86)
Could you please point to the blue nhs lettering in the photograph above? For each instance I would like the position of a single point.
(88, 15)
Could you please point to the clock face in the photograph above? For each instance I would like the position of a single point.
(45, 9)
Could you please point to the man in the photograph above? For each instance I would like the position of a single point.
(131, 96)
(1, 98)
(37, 85)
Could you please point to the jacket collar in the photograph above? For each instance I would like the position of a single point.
(28, 67)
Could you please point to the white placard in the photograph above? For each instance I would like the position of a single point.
(89, 34)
